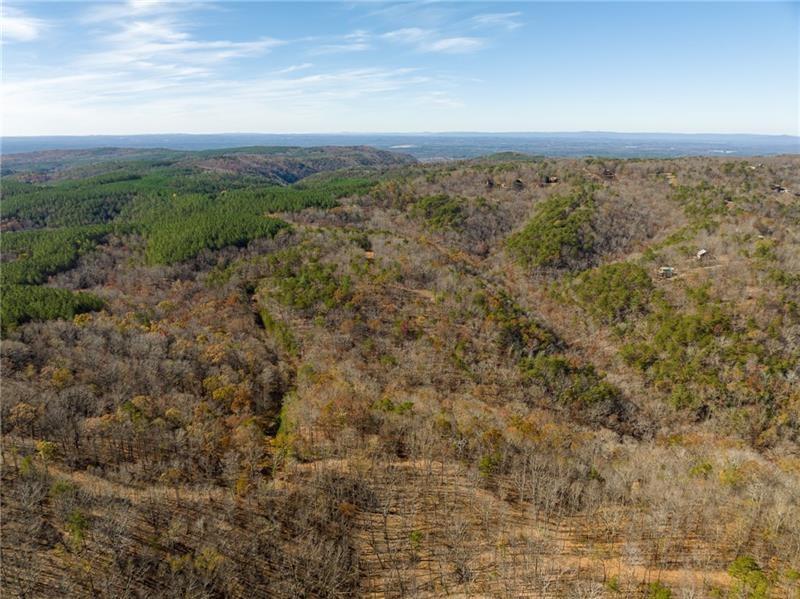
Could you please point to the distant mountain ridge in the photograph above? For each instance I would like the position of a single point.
(445, 146)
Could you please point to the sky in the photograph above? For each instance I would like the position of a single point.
(147, 66)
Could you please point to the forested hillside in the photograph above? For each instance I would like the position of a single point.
(336, 372)
(180, 203)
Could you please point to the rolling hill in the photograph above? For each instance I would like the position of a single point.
(337, 372)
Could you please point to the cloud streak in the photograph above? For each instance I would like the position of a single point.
(17, 26)
(147, 64)
(341, 48)
(430, 40)
(295, 67)
(505, 20)
(357, 41)
(151, 39)
(455, 45)
(293, 102)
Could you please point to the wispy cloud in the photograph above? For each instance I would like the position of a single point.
(408, 35)
(134, 9)
(455, 45)
(154, 66)
(152, 38)
(295, 67)
(429, 40)
(17, 26)
(357, 41)
(339, 48)
(279, 102)
(506, 20)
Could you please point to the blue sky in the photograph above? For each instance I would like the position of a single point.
(147, 66)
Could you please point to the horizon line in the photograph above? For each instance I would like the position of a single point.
(398, 133)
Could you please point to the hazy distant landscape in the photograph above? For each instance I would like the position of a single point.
(439, 146)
